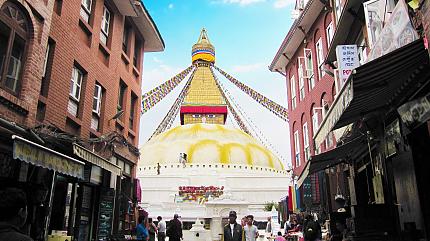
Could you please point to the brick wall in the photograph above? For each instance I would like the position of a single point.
(78, 44)
(21, 108)
(323, 87)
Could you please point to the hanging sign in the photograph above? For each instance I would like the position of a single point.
(347, 60)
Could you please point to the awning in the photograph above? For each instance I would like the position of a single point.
(332, 158)
(373, 86)
(96, 159)
(38, 155)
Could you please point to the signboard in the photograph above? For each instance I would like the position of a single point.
(347, 61)
(397, 33)
(415, 112)
(335, 112)
(107, 198)
(35, 154)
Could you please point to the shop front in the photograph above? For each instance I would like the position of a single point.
(35, 168)
(382, 156)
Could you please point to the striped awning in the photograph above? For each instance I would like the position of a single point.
(39, 155)
(375, 86)
(95, 159)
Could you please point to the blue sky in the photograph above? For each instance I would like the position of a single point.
(246, 35)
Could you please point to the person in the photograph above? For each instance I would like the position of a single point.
(251, 231)
(13, 214)
(161, 235)
(269, 226)
(280, 237)
(295, 226)
(174, 232)
(288, 224)
(152, 230)
(142, 231)
(232, 231)
(312, 229)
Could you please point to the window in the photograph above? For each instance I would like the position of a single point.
(297, 148)
(13, 37)
(132, 111)
(125, 38)
(306, 141)
(320, 57)
(75, 91)
(121, 96)
(75, 84)
(315, 122)
(197, 115)
(86, 10)
(293, 92)
(338, 9)
(329, 33)
(97, 102)
(211, 116)
(309, 73)
(301, 83)
(362, 49)
(106, 18)
(47, 65)
(136, 55)
(97, 99)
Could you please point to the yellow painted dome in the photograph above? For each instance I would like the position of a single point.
(207, 144)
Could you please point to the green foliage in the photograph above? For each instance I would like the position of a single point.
(268, 206)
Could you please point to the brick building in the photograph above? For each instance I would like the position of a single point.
(379, 116)
(311, 89)
(71, 76)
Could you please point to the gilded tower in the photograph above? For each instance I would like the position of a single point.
(204, 102)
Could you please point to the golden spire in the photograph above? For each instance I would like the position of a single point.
(203, 49)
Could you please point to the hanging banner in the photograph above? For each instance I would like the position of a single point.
(397, 33)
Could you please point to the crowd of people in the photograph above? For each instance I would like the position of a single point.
(147, 230)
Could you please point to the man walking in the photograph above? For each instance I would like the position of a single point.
(233, 230)
(251, 231)
(13, 214)
(175, 229)
(312, 229)
(161, 229)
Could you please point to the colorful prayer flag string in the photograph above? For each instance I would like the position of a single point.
(272, 106)
(151, 98)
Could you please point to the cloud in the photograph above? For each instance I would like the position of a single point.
(283, 3)
(171, 6)
(240, 2)
(247, 68)
(157, 60)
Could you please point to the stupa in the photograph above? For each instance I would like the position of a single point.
(203, 168)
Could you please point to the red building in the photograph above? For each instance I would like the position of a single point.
(311, 88)
(71, 75)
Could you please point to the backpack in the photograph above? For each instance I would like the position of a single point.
(310, 230)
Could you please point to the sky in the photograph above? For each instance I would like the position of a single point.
(246, 35)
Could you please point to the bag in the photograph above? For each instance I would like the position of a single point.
(311, 231)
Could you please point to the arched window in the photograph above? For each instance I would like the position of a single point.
(14, 34)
